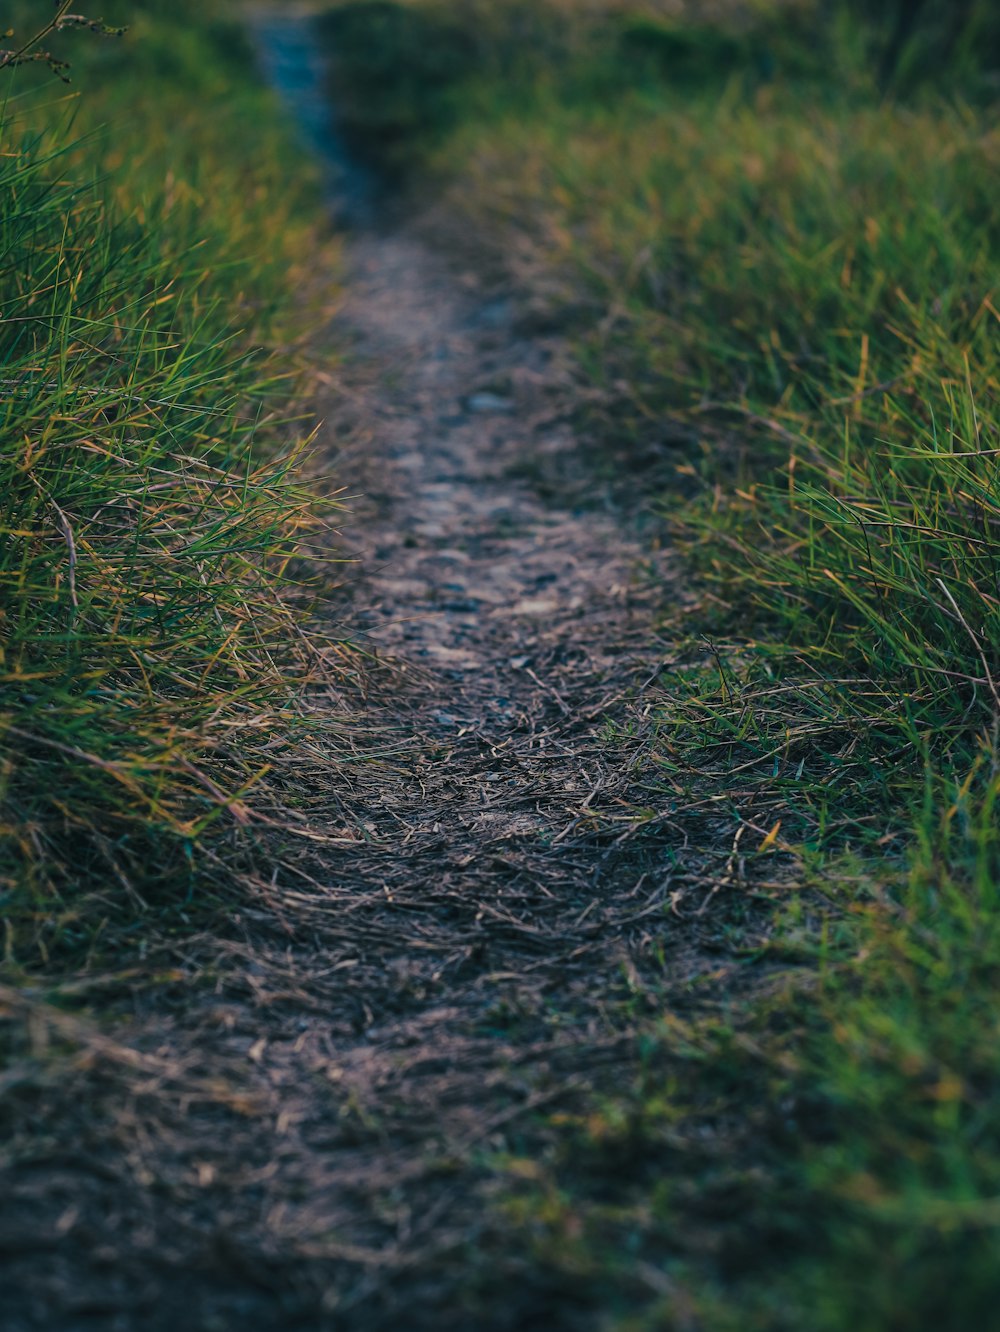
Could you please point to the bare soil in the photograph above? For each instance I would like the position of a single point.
(308, 1120)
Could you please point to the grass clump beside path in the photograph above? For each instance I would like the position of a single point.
(782, 228)
(150, 661)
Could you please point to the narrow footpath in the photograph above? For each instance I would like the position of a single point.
(403, 1013)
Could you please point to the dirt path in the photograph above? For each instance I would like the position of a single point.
(400, 1014)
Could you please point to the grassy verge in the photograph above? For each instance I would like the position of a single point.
(782, 231)
(151, 662)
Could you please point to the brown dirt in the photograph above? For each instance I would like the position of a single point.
(306, 1123)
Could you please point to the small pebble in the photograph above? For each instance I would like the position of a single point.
(488, 402)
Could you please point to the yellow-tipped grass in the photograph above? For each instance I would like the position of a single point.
(152, 662)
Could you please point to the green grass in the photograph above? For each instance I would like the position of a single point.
(151, 522)
(833, 354)
(782, 287)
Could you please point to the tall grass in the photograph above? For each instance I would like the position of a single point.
(809, 296)
(151, 659)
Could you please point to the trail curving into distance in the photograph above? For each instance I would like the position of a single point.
(400, 1015)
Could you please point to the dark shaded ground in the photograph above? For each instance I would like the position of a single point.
(304, 1123)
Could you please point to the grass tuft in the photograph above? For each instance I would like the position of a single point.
(152, 520)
